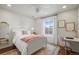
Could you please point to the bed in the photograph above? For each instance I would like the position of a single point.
(31, 45)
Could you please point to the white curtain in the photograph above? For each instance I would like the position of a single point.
(55, 30)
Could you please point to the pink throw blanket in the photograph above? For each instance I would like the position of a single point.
(30, 38)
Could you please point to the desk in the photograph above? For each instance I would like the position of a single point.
(70, 40)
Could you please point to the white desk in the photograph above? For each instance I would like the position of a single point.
(73, 40)
(70, 40)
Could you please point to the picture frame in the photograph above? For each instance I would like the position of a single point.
(61, 23)
(70, 26)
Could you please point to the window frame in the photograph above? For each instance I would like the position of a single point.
(48, 19)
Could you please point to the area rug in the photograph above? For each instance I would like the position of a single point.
(52, 50)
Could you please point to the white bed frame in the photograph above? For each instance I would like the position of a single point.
(34, 46)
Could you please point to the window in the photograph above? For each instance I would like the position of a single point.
(48, 27)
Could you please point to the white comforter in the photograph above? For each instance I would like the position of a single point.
(21, 45)
(25, 48)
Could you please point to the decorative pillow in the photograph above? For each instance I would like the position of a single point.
(29, 37)
(24, 32)
(25, 37)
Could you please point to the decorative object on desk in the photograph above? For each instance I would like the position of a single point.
(61, 23)
(69, 38)
(70, 26)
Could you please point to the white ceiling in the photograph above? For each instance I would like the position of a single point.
(44, 9)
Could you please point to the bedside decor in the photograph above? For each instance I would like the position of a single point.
(32, 30)
(70, 26)
(61, 23)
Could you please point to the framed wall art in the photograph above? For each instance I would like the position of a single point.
(70, 26)
(61, 23)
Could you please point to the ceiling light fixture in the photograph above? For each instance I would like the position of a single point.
(9, 5)
(37, 10)
(64, 6)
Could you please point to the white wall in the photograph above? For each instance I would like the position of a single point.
(78, 23)
(16, 20)
(68, 16)
(75, 45)
(39, 26)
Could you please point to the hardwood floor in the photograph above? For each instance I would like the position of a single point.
(61, 51)
(44, 51)
(68, 52)
(49, 50)
(7, 49)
